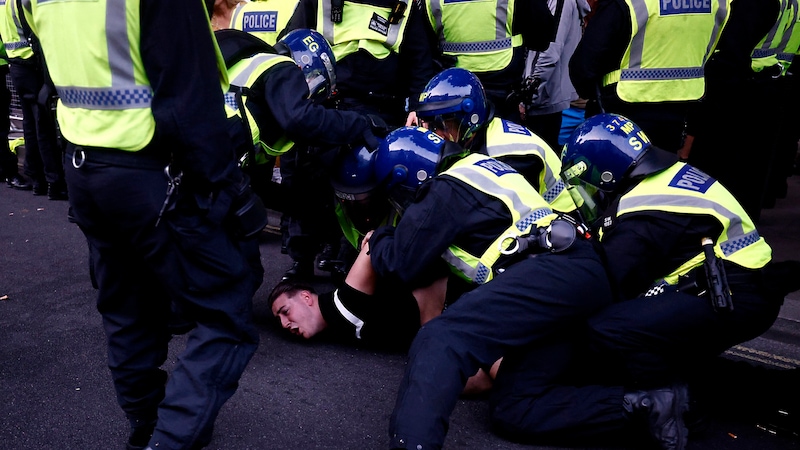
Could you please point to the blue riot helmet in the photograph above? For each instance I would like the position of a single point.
(602, 154)
(405, 159)
(455, 97)
(354, 183)
(314, 56)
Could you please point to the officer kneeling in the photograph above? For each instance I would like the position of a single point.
(466, 210)
(691, 274)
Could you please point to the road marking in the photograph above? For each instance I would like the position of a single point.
(763, 357)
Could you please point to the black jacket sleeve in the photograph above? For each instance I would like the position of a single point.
(285, 92)
(446, 212)
(188, 100)
(601, 48)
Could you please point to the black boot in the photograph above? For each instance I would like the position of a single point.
(300, 270)
(57, 190)
(663, 409)
(17, 182)
(141, 432)
(327, 258)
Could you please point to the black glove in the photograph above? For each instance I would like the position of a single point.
(370, 140)
(378, 126)
(377, 130)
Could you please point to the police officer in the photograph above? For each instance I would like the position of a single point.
(43, 157)
(744, 47)
(157, 235)
(283, 96)
(470, 208)
(492, 39)
(383, 61)
(630, 62)
(454, 105)
(264, 19)
(688, 267)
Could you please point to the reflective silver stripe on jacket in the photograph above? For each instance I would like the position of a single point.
(489, 186)
(327, 25)
(635, 71)
(352, 318)
(554, 185)
(766, 48)
(244, 75)
(737, 238)
(124, 93)
(500, 42)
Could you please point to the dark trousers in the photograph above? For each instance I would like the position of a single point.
(531, 301)
(140, 270)
(658, 339)
(311, 219)
(8, 160)
(43, 157)
(567, 392)
(737, 144)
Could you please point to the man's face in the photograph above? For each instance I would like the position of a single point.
(299, 314)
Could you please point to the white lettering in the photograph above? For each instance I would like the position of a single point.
(687, 184)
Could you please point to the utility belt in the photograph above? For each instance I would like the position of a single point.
(147, 158)
(712, 281)
(558, 237)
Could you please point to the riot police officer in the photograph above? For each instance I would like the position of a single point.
(470, 211)
(455, 106)
(184, 233)
(688, 269)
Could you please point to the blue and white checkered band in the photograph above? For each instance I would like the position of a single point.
(672, 7)
(106, 98)
(482, 274)
(733, 245)
(17, 45)
(260, 21)
(662, 74)
(655, 290)
(535, 215)
(692, 179)
(554, 191)
(230, 101)
(476, 47)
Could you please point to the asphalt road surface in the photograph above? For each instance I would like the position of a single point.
(56, 391)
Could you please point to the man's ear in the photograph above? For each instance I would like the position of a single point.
(307, 297)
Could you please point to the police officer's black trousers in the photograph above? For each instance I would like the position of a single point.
(43, 157)
(570, 390)
(140, 269)
(660, 339)
(532, 301)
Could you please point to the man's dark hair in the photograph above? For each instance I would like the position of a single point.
(289, 287)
